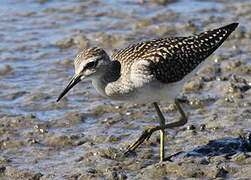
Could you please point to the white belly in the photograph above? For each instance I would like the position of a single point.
(154, 91)
(160, 92)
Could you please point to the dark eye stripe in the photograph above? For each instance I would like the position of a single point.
(90, 65)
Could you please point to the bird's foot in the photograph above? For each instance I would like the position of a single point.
(144, 136)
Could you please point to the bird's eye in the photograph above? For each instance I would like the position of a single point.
(91, 64)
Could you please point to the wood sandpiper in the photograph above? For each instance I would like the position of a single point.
(148, 72)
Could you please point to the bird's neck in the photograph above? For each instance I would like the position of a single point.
(111, 74)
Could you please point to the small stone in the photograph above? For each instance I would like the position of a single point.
(2, 169)
(117, 107)
(193, 85)
(163, 2)
(32, 141)
(76, 117)
(81, 41)
(79, 159)
(92, 171)
(202, 127)
(41, 130)
(128, 113)
(217, 59)
(191, 127)
(4, 69)
(3, 160)
(65, 43)
(30, 116)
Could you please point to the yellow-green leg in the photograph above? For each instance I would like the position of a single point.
(162, 132)
(148, 132)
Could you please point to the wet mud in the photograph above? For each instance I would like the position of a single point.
(84, 136)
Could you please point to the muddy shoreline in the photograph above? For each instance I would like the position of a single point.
(84, 136)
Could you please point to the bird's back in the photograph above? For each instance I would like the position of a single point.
(170, 59)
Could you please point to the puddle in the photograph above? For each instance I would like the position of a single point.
(223, 147)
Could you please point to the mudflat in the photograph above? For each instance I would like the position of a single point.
(84, 136)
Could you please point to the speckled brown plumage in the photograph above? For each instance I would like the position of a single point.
(172, 58)
(150, 71)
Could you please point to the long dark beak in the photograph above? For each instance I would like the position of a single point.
(74, 80)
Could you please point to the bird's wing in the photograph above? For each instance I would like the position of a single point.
(170, 59)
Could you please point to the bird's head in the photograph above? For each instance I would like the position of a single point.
(91, 63)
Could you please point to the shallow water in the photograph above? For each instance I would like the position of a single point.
(84, 135)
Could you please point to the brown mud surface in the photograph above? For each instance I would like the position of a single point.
(84, 136)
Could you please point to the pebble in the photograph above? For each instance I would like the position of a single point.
(5, 69)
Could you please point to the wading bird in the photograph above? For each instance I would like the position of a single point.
(148, 72)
